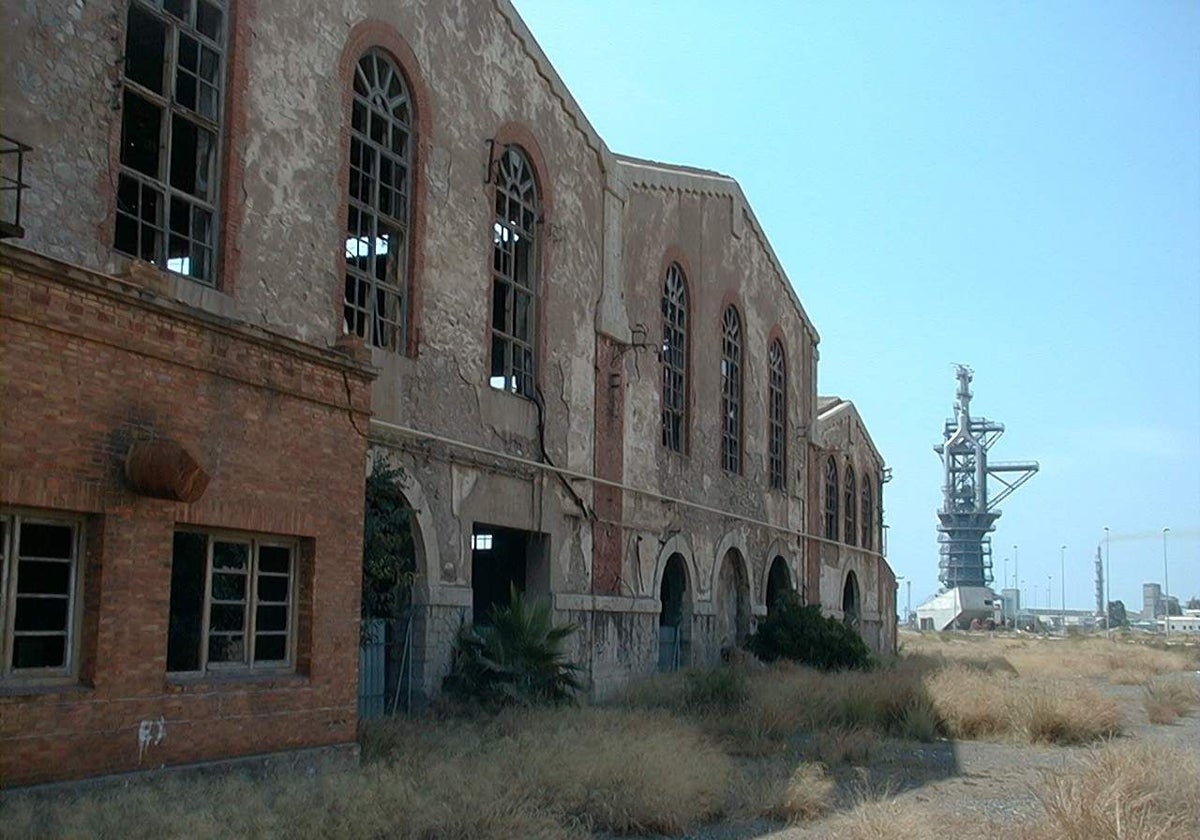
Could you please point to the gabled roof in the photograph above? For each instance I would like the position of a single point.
(670, 177)
(830, 409)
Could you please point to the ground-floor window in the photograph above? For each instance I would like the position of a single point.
(231, 603)
(39, 601)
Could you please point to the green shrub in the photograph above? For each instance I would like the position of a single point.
(516, 658)
(795, 631)
(389, 555)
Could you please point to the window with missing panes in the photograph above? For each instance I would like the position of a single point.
(514, 274)
(377, 223)
(851, 508)
(867, 514)
(674, 359)
(731, 391)
(39, 600)
(171, 107)
(831, 499)
(232, 603)
(777, 420)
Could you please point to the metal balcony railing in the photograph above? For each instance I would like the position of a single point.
(12, 185)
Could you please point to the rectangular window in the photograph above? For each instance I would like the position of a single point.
(40, 586)
(174, 71)
(231, 603)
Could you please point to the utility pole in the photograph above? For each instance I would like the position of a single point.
(1166, 589)
(1062, 574)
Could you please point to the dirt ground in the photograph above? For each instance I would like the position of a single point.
(965, 789)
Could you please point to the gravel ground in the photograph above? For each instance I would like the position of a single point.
(972, 788)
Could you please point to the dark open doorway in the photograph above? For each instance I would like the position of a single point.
(778, 582)
(503, 559)
(850, 601)
(675, 620)
(733, 602)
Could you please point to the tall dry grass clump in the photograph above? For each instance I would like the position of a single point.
(1126, 792)
(974, 704)
(543, 774)
(1171, 697)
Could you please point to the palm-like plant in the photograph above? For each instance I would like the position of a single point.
(516, 658)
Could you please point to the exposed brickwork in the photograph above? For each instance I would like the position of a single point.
(91, 364)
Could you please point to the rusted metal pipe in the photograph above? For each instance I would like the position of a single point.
(163, 469)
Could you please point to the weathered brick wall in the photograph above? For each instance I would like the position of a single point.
(91, 364)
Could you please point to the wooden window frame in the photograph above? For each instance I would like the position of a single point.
(777, 415)
(13, 519)
(512, 194)
(375, 303)
(158, 226)
(675, 349)
(732, 363)
(247, 665)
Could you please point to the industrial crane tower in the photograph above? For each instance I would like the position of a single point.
(968, 513)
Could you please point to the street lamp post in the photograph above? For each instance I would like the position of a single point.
(1016, 567)
(1005, 573)
(1049, 582)
(1062, 575)
(1166, 589)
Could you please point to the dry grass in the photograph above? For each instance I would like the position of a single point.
(552, 774)
(1171, 697)
(845, 745)
(1131, 792)
(1120, 661)
(781, 789)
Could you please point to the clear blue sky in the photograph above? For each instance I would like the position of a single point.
(1015, 186)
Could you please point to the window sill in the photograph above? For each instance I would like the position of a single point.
(63, 687)
(204, 683)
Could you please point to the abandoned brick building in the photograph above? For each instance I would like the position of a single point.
(263, 245)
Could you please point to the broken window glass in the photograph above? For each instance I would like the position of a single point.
(231, 603)
(375, 306)
(674, 359)
(514, 275)
(777, 419)
(831, 499)
(731, 391)
(169, 135)
(40, 563)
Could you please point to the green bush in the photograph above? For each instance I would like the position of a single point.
(515, 658)
(389, 554)
(795, 631)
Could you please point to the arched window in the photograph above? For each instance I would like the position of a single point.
(674, 359)
(514, 273)
(777, 419)
(377, 222)
(851, 505)
(831, 499)
(867, 513)
(731, 391)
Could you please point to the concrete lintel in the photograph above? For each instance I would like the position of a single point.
(442, 595)
(605, 603)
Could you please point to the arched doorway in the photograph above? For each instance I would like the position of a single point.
(851, 605)
(733, 601)
(779, 581)
(675, 619)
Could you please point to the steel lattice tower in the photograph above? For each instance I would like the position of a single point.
(968, 514)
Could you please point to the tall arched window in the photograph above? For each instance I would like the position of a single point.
(377, 223)
(731, 391)
(777, 419)
(514, 273)
(851, 504)
(674, 359)
(867, 513)
(831, 499)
